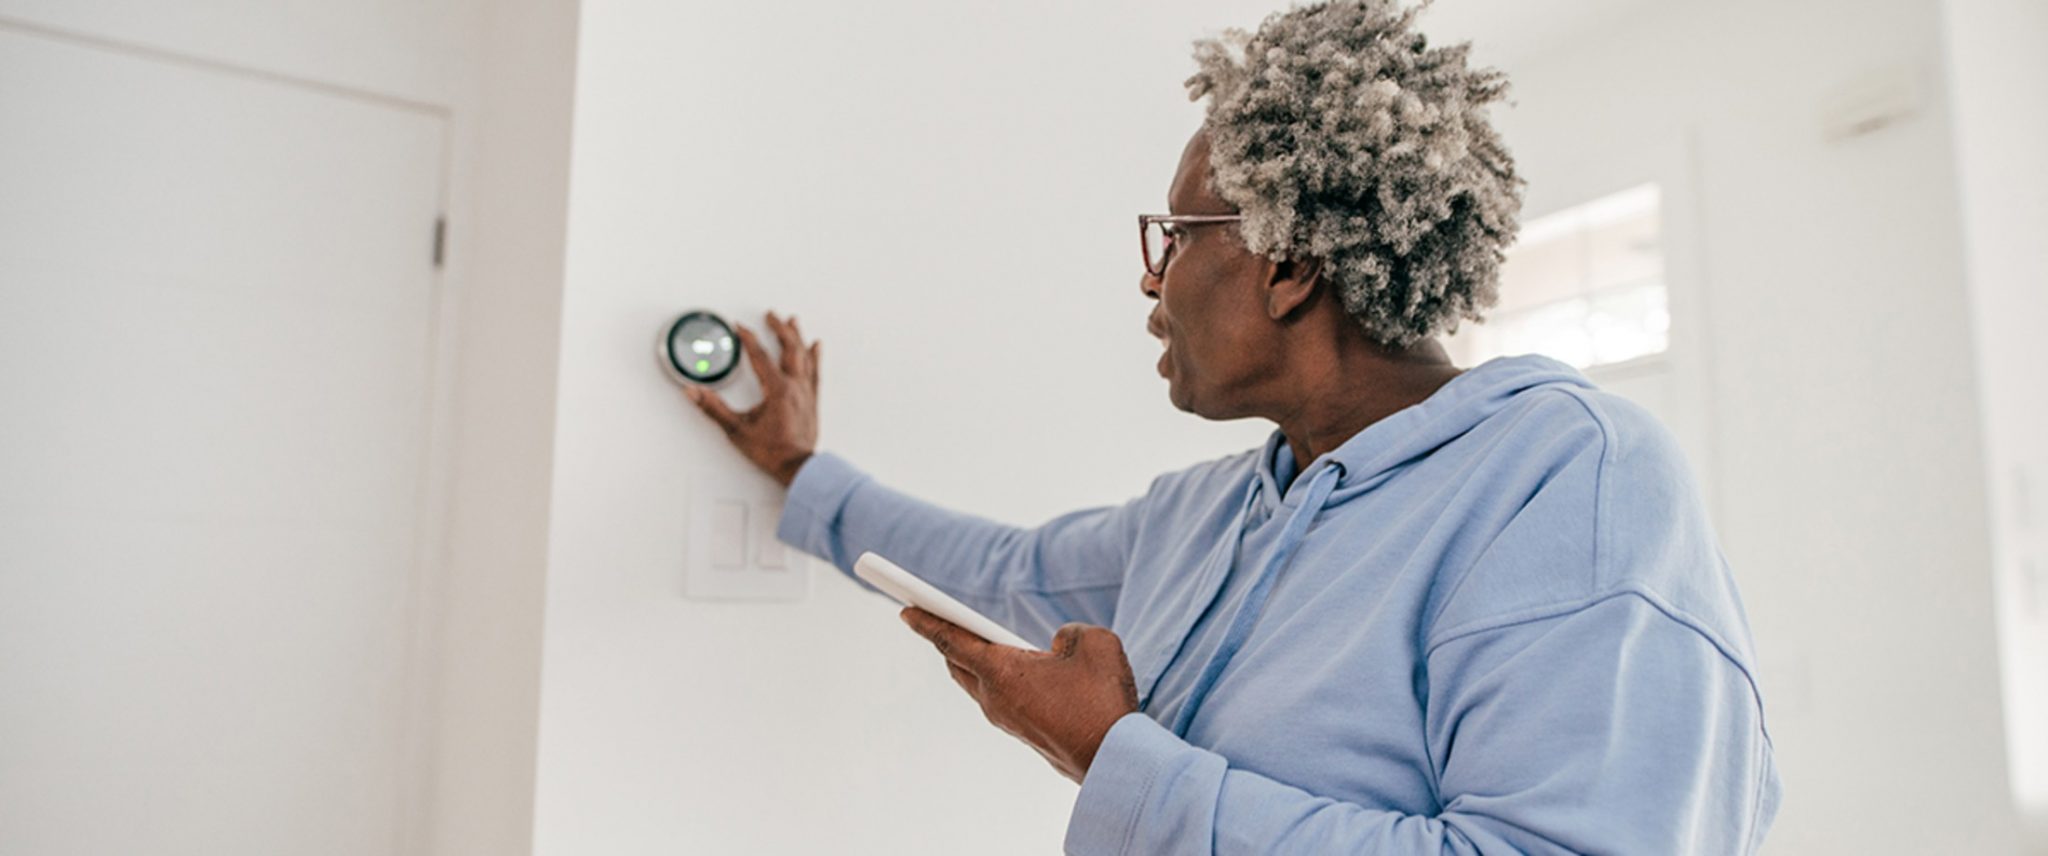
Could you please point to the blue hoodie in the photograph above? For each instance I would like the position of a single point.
(1495, 621)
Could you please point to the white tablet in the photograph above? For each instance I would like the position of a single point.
(911, 591)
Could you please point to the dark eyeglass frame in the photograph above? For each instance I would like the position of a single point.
(1145, 222)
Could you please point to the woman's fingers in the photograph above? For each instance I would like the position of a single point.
(715, 407)
(789, 342)
(804, 354)
(771, 378)
(965, 679)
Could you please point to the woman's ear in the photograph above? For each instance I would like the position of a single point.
(1293, 282)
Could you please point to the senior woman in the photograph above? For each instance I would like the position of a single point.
(1440, 610)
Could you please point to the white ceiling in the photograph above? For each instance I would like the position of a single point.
(1504, 32)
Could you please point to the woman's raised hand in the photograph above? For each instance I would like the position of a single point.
(780, 433)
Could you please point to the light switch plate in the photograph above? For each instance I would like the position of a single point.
(769, 554)
(728, 534)
(733, 554)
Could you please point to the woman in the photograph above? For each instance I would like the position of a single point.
(1471, 610)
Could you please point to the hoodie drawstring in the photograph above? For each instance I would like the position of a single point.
(1247, 615)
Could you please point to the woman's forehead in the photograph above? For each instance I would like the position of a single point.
(1192, 192)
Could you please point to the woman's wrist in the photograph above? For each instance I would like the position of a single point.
(786, 474)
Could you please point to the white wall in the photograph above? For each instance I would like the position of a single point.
(501, 72)
(956, 185)
(404, 49)
(1846, 432)
(507, 238)
(210, 525)
(1999, 84)
(851, 166)
(952, 214)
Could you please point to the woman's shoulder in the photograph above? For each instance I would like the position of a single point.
(1204, 479)
(1604, 503)
(1580, 420)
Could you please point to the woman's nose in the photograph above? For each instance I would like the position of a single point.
(1149, 285)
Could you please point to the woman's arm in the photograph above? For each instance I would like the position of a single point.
(1031, 580)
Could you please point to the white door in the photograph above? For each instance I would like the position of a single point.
(216, 318)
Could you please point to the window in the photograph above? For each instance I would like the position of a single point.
(1584, 285)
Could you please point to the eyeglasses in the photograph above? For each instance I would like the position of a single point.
(1157, 232)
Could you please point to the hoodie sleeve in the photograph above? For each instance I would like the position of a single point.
(1030, 580)
(1610, 728)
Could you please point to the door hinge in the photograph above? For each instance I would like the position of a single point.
(440, 240)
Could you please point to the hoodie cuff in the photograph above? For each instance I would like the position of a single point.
(1133, 756)
(811, 509)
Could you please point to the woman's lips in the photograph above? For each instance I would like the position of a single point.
(1156, 325)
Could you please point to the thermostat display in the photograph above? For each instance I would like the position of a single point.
(700, 348)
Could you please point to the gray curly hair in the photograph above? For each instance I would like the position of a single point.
(1341, 136)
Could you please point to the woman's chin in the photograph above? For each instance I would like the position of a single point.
(1178, 394)
(1178, 390)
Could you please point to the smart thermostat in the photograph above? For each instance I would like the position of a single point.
(699, 348)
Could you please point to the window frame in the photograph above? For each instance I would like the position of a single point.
(1564, 180)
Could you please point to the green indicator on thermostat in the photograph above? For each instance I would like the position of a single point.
(699, 348)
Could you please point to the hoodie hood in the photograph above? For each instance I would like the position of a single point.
(1376, 453)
